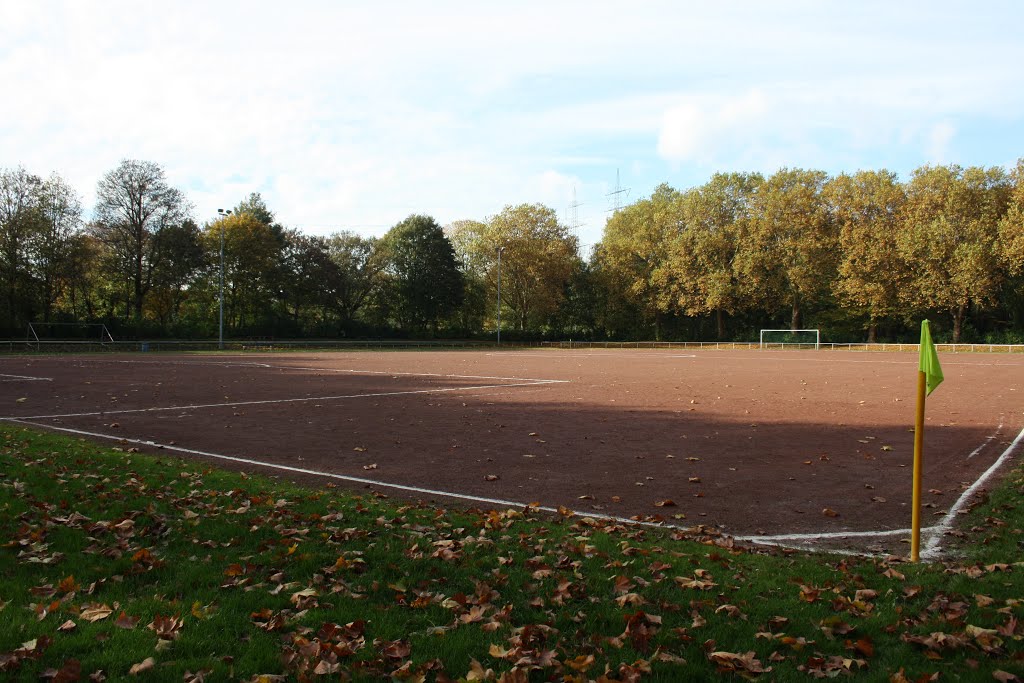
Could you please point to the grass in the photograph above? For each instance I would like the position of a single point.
(114, 560)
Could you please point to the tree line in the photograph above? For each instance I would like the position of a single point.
(861, 256)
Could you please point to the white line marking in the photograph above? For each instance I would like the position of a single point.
(595, 354)
(831, 551)
(276, 400)
(988, 440)
(14, 378)
(829, 534)
(343, 477)
(762, 540)
(932, 549)
(315, 369)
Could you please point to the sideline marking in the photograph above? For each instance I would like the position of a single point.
(125, 411)
(345, 477)
(15, 378)
(988, 440)
(761, 540)
(932, 549)
(830, 534)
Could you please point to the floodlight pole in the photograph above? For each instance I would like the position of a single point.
(500, 249)
(223, 214)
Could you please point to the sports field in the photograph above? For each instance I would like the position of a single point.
(799, 448)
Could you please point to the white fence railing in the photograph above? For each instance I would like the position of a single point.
(44, 346)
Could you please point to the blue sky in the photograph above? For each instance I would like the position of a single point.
(352, 115)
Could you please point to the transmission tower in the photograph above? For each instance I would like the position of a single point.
(617, 194)
(574, 212)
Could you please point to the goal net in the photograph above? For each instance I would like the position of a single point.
(791, 339)
(68, 332)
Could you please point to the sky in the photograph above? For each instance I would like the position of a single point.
(350, 115)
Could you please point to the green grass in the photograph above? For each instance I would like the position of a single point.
(245, 575)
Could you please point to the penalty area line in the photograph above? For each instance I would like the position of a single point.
(24, 378)
(231, 404)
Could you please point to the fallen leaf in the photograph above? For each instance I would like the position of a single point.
(829, 512)
(664, 503)
(491, 477)
(94, 613)
(371, 466)
(143, 666)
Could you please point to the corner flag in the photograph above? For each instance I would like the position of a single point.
(929, 376)
(929, 363)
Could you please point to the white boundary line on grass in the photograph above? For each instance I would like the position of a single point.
(417, 489)
(343, 477)
(15, 378)
(932, 548)
(125, 411)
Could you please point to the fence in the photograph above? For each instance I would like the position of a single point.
(43, 346)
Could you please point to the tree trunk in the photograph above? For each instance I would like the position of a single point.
(958, 321)
(794, 321)
(720, 323)
(872, 333)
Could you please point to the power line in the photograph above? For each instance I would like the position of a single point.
(616, 195)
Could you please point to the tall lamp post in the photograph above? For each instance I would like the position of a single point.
(223, 214)
(500, 249)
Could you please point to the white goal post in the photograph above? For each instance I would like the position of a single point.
(790, 337)
(41, 332)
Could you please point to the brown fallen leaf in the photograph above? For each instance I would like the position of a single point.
(142, 667)
(664, 503)
(491, 477)
(371, 466)
(829, 512)
(694, 480)
(126, 622)
(93, 613)
(67, 626)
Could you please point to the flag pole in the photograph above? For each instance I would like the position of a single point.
(915, 524)
(929, 376)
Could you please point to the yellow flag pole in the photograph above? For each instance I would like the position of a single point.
(915, 524)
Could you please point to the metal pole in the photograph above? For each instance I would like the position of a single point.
(500, 249)
(220, 342)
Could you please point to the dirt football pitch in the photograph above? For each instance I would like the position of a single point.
(809, 448)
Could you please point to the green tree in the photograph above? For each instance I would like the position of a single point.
(61, 222)
(20, 225)
(134, 203)
(789, 254)
(359, 263)
(538, 258)
(1011, 226)
(699, 273)
(633, 248)
(311, 278)
(423, 274)
(252, 257)
(949, 237)
(872, 274)
(179, 256)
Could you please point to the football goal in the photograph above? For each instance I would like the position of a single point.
(782, 339)
(68, 332)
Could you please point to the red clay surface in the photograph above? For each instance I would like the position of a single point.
(748, 441)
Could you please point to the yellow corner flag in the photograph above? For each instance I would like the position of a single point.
(929, 359)
(929, 376)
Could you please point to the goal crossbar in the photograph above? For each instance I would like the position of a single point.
(816, 333)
